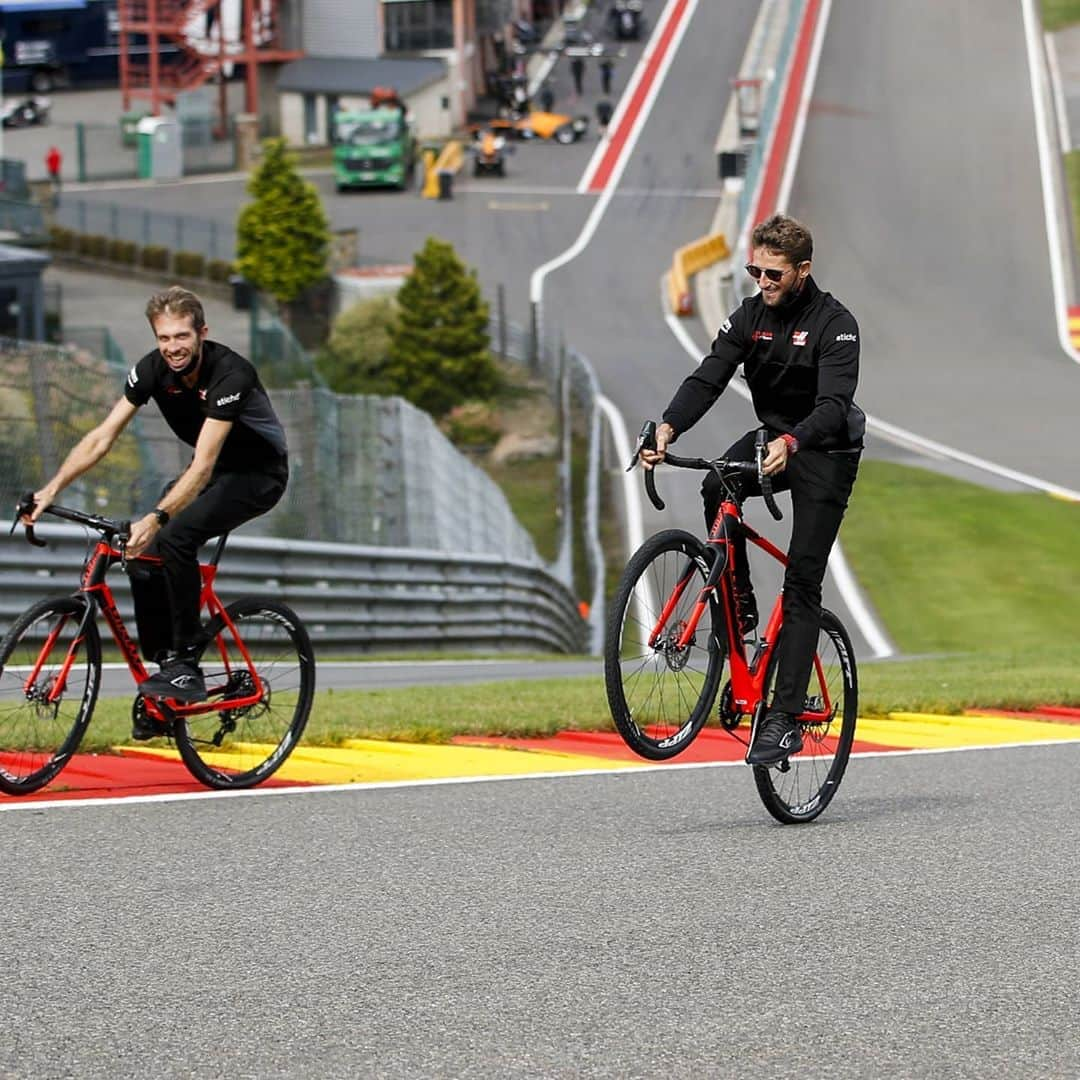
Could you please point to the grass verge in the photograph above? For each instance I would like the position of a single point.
(1057, 14)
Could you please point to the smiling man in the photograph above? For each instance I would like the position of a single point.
(799, 349)
(212, 399)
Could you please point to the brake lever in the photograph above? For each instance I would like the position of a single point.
(765, 482)
(646, 440)
(26, 506)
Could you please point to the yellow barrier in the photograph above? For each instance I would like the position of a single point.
(689, 260)
(450, 159)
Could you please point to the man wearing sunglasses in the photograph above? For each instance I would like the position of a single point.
(799, 349)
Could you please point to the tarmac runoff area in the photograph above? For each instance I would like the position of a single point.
(152, 771)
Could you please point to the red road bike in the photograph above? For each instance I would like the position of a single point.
(257, 659)
(674, 645)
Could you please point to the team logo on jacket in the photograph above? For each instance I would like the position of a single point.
(799, 337)
(762, 335)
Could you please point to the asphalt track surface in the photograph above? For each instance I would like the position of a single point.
(920, 172)
(641, 924)
(653, 923)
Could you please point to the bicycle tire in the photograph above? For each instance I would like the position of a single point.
(660, 696)
(239, 748)
(38, 737)
(802, 792)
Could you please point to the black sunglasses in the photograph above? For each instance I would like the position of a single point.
(771, 272)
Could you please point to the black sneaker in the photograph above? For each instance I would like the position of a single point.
(778, 738)
(180, 680)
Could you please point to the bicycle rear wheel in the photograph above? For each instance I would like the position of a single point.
(659, 692)
(806, 787)
(240, 746)
(50, 671)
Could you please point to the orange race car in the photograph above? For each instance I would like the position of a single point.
(562, 128)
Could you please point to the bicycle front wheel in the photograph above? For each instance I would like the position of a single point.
(50, 671)
(661, 684)
(239, 745)
(806, 787)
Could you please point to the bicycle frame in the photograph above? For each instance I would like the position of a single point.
(94, 584)
(747, 674)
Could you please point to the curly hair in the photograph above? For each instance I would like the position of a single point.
(783, 235)
(176, 301)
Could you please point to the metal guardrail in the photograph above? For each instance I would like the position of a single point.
(353, 599)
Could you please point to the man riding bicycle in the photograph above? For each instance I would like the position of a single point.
(212, 399)
(799, 348)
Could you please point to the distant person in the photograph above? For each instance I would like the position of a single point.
(547, 97)
(577, 71)
(607, 66)
(53, 161)
(603, 116)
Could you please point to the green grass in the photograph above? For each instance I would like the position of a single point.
(1057, 14)
(1072, 180)
(953, 567)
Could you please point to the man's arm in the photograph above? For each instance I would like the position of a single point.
(191, 481)
(707, 382)
(87, 452)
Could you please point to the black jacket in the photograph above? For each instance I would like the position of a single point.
(801, 363)
(228, 388)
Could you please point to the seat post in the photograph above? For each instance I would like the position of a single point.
(219, 549)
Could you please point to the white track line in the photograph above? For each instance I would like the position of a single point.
(1047, 168)
(618, 772)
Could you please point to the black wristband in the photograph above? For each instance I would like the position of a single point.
(161, 515)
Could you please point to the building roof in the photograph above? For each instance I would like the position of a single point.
(348, 75)
(18, 261)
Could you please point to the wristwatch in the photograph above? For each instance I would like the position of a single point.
(161, 515)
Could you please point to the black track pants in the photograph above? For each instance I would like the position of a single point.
(224, 504)
(820, 483)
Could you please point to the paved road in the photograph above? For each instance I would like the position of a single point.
(634, 925)
(920, 173)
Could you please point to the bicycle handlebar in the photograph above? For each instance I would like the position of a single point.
(723, 467)
(108, 528)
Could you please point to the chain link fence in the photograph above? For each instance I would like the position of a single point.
(177, 232)
(365, 470)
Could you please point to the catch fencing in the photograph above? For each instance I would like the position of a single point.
(365, 470)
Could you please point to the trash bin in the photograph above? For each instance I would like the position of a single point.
(446, 184)
(242, 293)
(129, 128)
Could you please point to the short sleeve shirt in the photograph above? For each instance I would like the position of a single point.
(228, 388)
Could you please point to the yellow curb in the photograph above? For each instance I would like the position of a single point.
(928, 731)
(359, 761)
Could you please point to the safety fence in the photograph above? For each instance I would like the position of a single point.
(178, 232)
(352, 599)
(365, 470)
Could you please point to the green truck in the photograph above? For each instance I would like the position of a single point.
(374, 148)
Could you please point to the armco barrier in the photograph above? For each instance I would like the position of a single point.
(353, 599)
(689, 260)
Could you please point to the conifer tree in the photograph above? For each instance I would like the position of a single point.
(282, 235)
(439, 351)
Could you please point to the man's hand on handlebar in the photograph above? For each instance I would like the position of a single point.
(664, 435)
(43, 499)
(776, 457)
